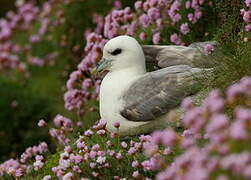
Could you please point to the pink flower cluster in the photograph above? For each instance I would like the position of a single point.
(8, 59)
(22, 22)
(146, 22)
(64, 127)
(101, 157)
(247, 15)
(13, 167)
(18, 168)
(211, 144)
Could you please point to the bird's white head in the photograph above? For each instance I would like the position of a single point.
(120, 53)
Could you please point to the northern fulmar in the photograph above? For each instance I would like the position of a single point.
(136, 99)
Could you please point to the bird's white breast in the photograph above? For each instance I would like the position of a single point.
(111, 102)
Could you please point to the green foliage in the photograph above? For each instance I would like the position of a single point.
(234, 62)
(20, 108)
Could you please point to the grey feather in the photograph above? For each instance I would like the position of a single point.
(193, 55)
(201, 45)
(158, 92)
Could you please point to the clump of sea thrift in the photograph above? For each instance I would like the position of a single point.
(88, 159)
(95, 152)
(246, 14)
(20, 167)
(64, 127)
(213, 144)
(22, 21)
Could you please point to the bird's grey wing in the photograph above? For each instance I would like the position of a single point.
(156, 93)
(193, 55)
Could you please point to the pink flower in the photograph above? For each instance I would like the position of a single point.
(68, 149)
(81, 145)
(87, 83)
(248, 28)
(153, 13)
(167, 151)
(93, 165)
(101, 132)
(248, 3)
(124, 145)
(101, 124)
(209, 49)
(88, 133)
(112, 153)
(234, 91)
(156, 137)
(135, 164)
(174, 38)
(188, 4)
(93, 154)
(247, 16)
(242, 114)
(39, 158)
(117, 4)
(190, 17)
(150, 149)
(95, 147)
(68, 176)
(138, 5)
(169, 137)
(119, 156)
(238, 131)
(247, 170)
(95, 174)
(116, 124)
(61, 121)
(76, 169)
(78, 159)
(41, 123)
(79, 124)
(101, 153)
(101, 160)
(144, 20)
(38, 165)
(156, 38)
(35, 38)
(48, 177)
(147, 165)
(187, 103)
(142, 36)
(136, 174)
(184, 28)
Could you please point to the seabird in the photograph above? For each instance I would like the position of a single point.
(136, 99)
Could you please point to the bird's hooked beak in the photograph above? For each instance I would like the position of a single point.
(103, 65)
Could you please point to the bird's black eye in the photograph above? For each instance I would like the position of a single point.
(116, 52)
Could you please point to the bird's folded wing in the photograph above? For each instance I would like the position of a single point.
(193, 55)
(156, 93)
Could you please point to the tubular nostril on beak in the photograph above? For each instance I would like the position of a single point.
(103, 64)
